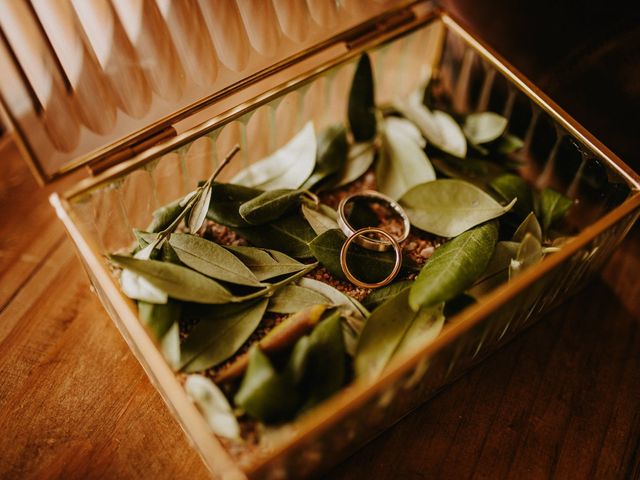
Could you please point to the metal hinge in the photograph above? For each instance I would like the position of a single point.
(129, 150)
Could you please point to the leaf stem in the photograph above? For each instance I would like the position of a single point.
(275, 286)
(194, 198)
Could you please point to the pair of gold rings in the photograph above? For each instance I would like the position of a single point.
(359, 236)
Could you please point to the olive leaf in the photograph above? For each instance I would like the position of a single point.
(529, 254)
(211, 259)
(510, 186)
(198, 211)
(321, 219)
(213, 405)
(438, 127)
(266, 264)
(477, 171)
(321, 360)
(361, 104)
(484, 127)
(454, 266)
(352, 312)
(294, 298)
(449, 207)
(270, 205)
(359, 160)
(332, 154)
(178, 282)
(290, 234)
(164, 216)
(508, 143)
(226, 199)
(394, 328)
(159, 317)
(403, 164)
(170, 346)
(264, 393)
(288, 167)
(219, 334)
(364, 264)
(529, 225)
(381, 295)
(553, 207)
(138, 287)
(497, 271)
(346, 305)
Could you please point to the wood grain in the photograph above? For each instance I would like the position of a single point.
(560, 401)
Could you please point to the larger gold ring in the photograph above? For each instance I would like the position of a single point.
(392, 241)
(370, 243)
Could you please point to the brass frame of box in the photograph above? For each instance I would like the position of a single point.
(309, 430)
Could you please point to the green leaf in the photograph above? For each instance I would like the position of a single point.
(139, 288)
(269, 206)
(529, 225)
(178, 282)
(290, 235)
(508, 143)
(484, 127)
(364, 264)
(324, 362)
(381, 295)
(345, 304)
(288, 167)
(529, 254)
(164, 216)
(293, 299)
(211, 259)
(361, 107)
(404, 164)
(332, 154)
(198, 212)
(226, 199)
(321, 219)
(359, 160)
(266, 264)
(213, 405)
(449, 207)
(510, 186)
(454, 266)
(350, 309)
(170, 346)
(159, 317)
(394, 328)
(220, 334)
(439, 128)
(264, 394)
(553, 207)
(477, 171)
(497, 272)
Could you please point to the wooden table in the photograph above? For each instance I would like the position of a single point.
(562, 400)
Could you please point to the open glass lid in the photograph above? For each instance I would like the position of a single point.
(84, 78)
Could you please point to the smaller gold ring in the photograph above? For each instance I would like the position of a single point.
(396, 267)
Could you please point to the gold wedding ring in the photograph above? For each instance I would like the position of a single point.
(366, 242)
(354, 237)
